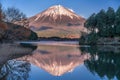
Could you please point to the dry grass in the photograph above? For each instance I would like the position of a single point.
(60, 32)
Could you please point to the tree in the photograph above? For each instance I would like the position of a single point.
(3, 26)
(91, 23)
(33, 36)
(13, 14)
(101, 23)
(110, 16)
(104, 22)
(117, 22)
(110, 21)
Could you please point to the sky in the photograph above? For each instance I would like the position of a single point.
(81, 7)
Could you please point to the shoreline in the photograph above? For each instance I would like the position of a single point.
(52, 43)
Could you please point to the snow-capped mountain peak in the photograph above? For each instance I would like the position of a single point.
(57, 14)
(57, 21)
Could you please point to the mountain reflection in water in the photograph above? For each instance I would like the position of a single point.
(68, 62)
(56, 60)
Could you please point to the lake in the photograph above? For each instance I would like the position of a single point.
(36, 61)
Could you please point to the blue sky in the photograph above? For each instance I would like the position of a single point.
(81, 7)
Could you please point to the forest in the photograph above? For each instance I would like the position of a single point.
(104, 24)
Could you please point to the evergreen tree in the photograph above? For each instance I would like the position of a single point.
(117, 22)
(91, 23)
(101, 23)
(106, 22)
(110, 21)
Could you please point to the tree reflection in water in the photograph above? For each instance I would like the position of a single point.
(15, 70)
(11, 69)
(105, 63)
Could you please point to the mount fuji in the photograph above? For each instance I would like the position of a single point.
(57, 21)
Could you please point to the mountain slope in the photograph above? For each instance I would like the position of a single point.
(57, 20)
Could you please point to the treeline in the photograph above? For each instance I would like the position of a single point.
(57, 39)
(104, 23)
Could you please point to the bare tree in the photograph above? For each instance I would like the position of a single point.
(13, 14)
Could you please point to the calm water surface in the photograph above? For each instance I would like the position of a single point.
(52, 62)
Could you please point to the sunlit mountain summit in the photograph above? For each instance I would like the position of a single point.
(57, 21)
